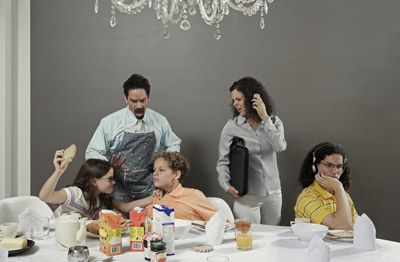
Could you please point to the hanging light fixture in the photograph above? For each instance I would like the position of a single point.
(178, 11)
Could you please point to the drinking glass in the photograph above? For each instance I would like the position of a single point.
(40, 229)
(243, 235)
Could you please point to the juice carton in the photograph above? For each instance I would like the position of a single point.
(163, 223)
(136, 230)
(110, 232)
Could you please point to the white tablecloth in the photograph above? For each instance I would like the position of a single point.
(271, 243)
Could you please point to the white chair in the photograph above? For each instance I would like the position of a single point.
(11, 207)
(220, 204)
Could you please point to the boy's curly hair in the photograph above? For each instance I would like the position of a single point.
(176, 162)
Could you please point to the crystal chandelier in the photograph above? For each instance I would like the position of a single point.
(178, 11)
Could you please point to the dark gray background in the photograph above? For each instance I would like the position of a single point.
(332, 68)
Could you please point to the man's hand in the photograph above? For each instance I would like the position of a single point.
(116, 161)
(158, 194)
(233, 192)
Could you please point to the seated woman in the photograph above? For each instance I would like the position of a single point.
(168, 172)
(325, 176)
(91, 191)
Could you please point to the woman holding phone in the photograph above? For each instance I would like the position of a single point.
(263, 133)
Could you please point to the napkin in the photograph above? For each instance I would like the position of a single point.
(364, 233)
(3, 254)
(215, 228)
(318, 251)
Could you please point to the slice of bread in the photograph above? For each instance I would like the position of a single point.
(69, 154)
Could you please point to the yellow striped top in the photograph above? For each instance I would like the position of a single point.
(316, 203)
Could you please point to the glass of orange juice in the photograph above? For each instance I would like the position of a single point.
(244, 238)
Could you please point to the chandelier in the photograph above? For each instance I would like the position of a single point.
(178, 11)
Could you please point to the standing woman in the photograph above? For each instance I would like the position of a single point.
(263, 133)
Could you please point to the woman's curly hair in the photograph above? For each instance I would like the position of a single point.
(176, 162)
(249, 86)
(315, 156)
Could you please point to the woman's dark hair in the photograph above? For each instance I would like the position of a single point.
(176, 162)
(136, 81)
(315, 156)
(91, 169)
(250, 86)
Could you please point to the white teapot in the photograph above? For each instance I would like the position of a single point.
(70, 229)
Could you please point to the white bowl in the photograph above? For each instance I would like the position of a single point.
(182, 227)
(306, 231)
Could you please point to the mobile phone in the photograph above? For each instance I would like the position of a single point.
(256, 96)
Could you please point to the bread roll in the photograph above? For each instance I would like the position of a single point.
(69, 154)
(93, 227)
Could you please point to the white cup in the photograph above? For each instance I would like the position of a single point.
(299, 220)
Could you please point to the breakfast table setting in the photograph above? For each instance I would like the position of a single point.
(269, 243)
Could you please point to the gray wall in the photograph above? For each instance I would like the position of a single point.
(331, 66)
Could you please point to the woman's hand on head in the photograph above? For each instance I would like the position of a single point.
(232, 192)
(327, 182)
(58, 159)
(259, 106)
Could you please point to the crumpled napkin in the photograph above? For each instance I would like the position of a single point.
(318, 251)
(215, 229)
(3, 254)
(364, 233)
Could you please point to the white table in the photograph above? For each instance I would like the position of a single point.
(271, 243)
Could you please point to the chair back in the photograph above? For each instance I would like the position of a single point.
(220, 204)
(11, 207)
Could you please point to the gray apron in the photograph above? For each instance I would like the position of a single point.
(138, 148)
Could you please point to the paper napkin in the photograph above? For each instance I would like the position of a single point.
(215, 228)
(364, 233)
(318, 251)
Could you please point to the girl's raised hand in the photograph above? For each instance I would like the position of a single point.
(58, 159)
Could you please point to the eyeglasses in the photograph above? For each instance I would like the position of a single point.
(333, 166)
(109, 179)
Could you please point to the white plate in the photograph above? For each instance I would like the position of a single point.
(201, 225)
(341, 235)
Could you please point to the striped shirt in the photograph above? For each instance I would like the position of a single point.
(75, 202)
(316, 203)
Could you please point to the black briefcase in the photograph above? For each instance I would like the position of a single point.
(239, 165)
